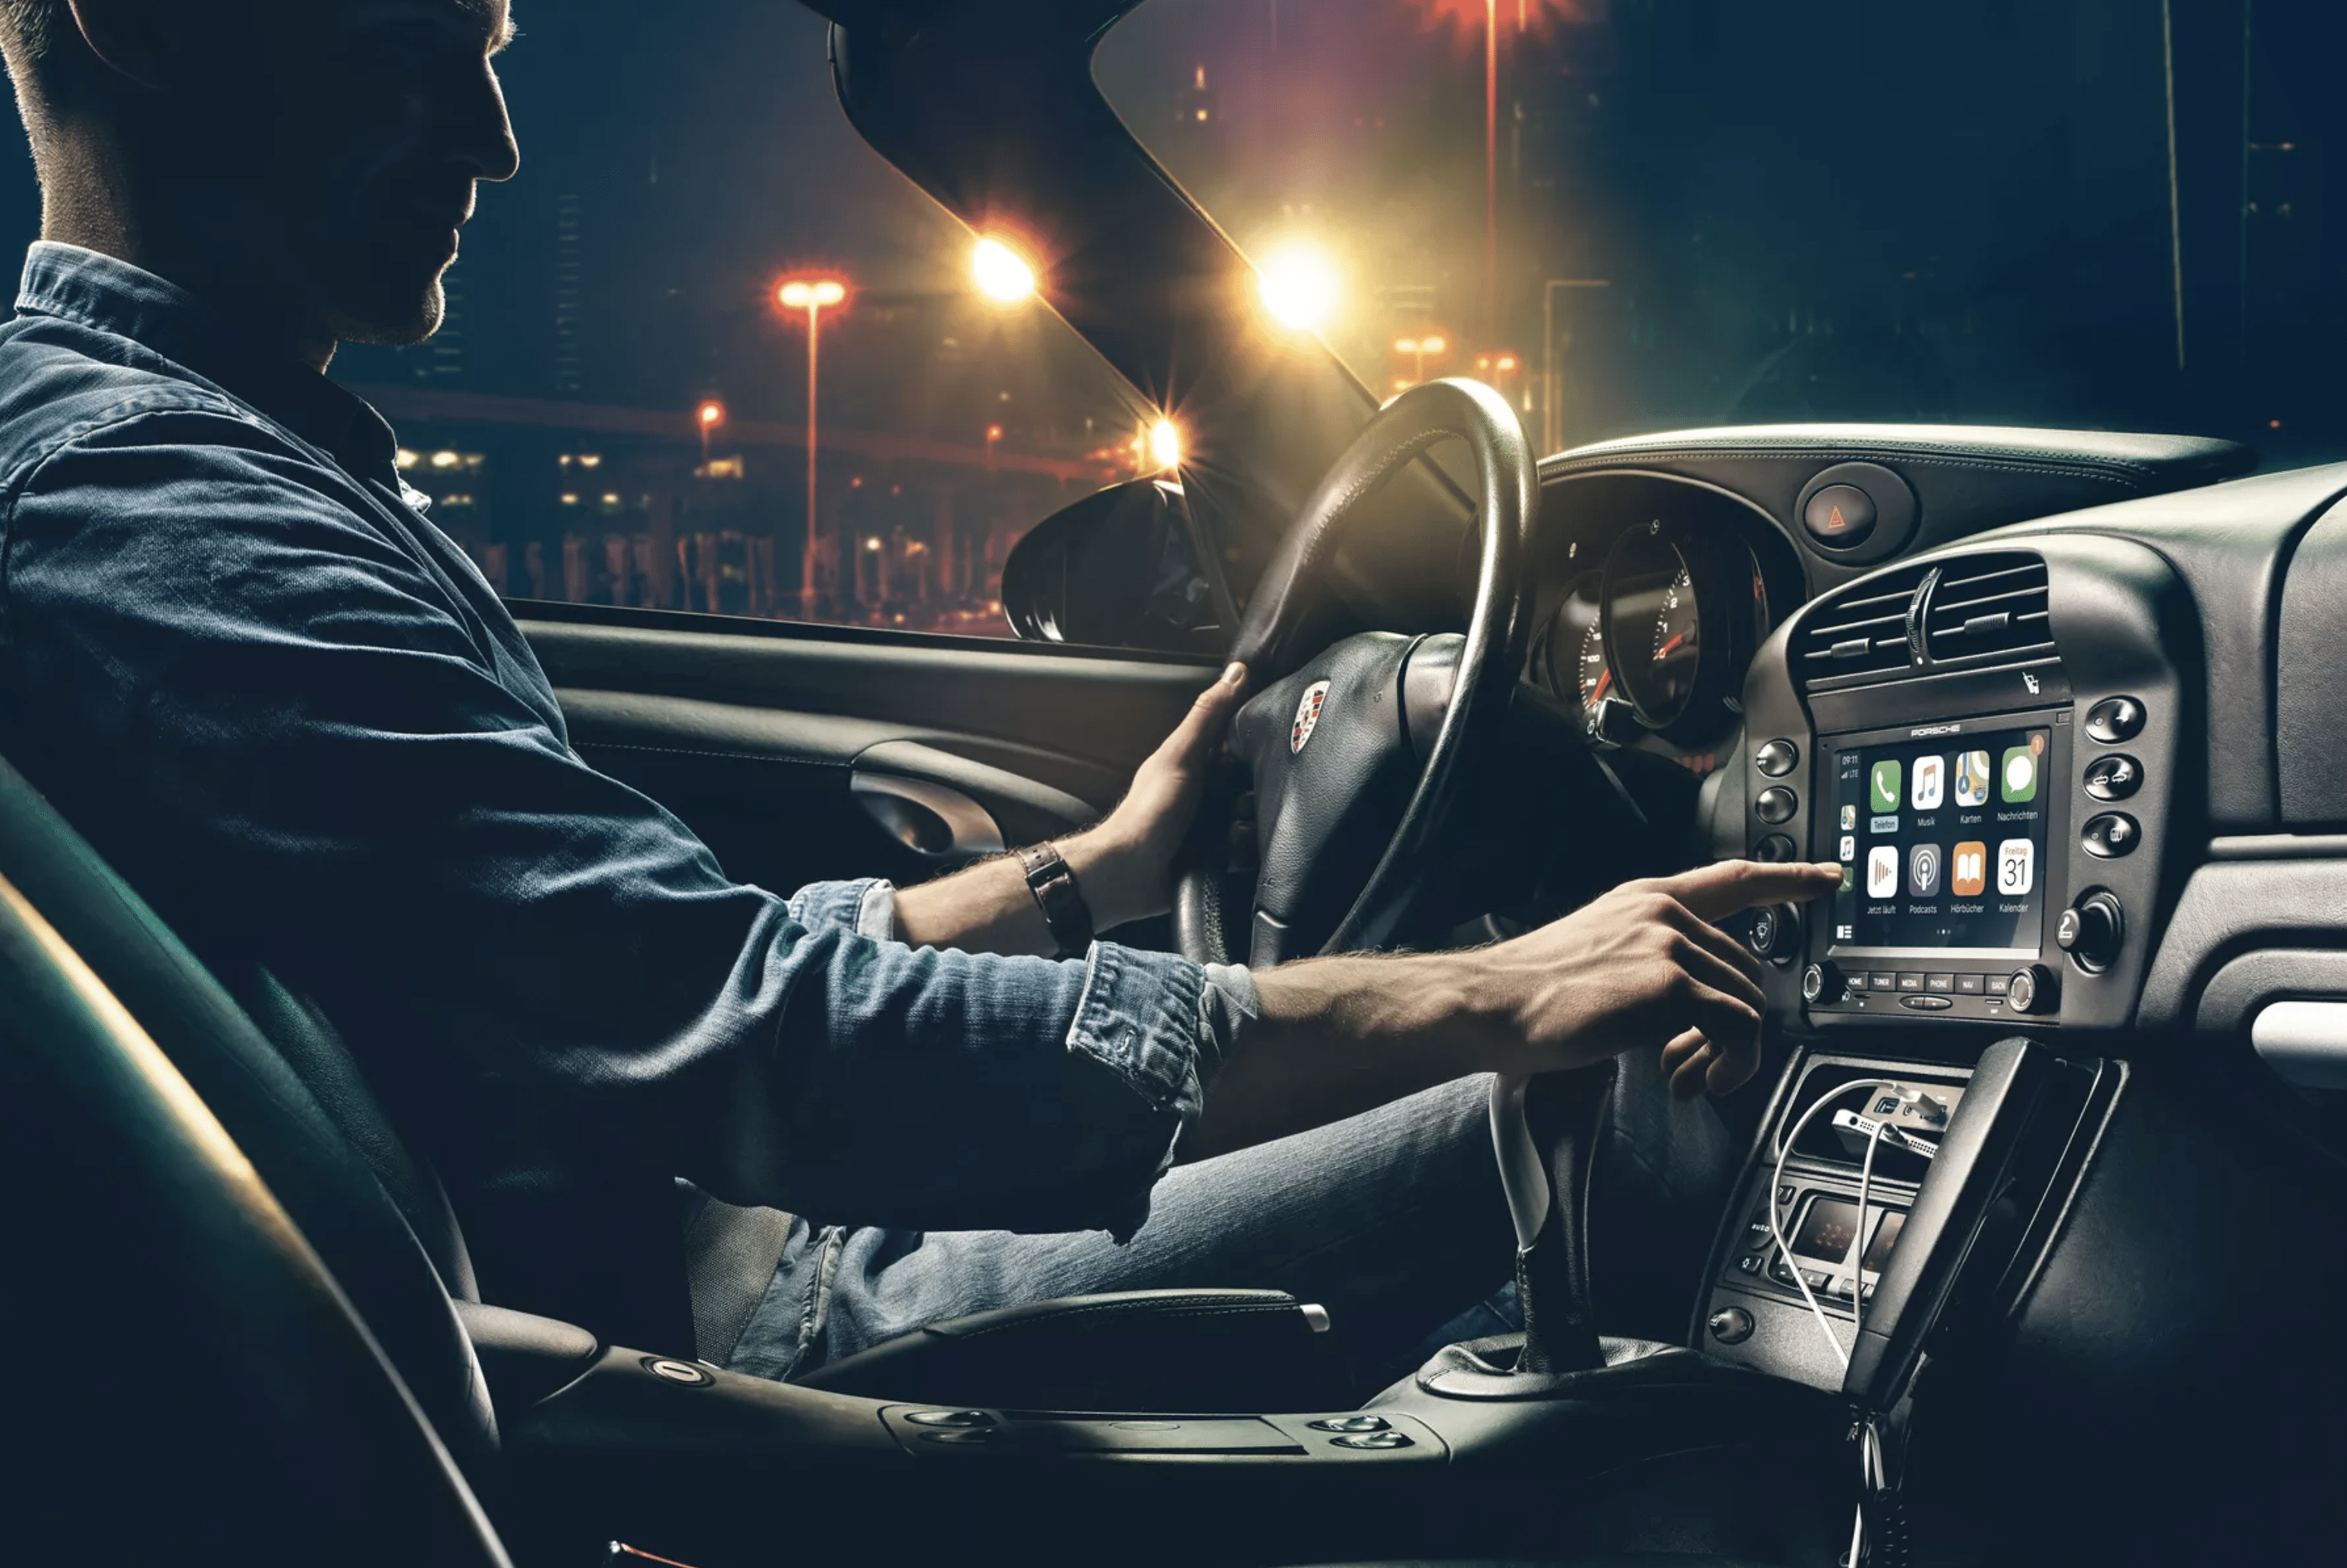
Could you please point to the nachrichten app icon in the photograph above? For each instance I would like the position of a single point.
(2020, 774)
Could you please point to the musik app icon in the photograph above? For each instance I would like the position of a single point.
(1930, 783)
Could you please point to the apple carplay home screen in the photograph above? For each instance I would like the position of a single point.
(1942, 842)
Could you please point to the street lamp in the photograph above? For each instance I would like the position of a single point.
(1003, 275)
(1419, 350)
(709, 417)
(814, 296)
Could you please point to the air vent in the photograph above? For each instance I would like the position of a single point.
(1863, 639)
(1988, 609)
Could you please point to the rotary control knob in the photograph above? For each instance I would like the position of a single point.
(1823, 984)
(2091, 930)
(2030, 989)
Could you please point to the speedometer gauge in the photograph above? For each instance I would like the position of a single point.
(1596, 680)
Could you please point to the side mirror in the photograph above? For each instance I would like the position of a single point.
(1119, 569)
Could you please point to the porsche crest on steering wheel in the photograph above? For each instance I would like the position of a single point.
(1308, 715)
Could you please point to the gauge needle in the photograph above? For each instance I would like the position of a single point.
(1665, 650)
(1598, 692)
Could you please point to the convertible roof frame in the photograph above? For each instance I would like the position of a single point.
(991, 108)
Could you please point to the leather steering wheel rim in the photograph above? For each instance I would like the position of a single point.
(1497, 628)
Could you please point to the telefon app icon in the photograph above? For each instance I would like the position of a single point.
(1972, 778)
(1930, 783)
(1882, 870)
(1882, 793)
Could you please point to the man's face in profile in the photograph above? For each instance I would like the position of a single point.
(368, 123)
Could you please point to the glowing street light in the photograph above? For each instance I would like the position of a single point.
(708, 417)
(1165, 444)
(1001, 274)
(814, 296)
(1419, 350)
(1300, 287)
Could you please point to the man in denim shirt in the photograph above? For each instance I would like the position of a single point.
(283, 704)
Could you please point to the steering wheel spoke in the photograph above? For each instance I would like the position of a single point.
(1356, 751)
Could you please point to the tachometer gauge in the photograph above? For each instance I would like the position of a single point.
(1679, 618)
(1577, 643)
(1668, 680)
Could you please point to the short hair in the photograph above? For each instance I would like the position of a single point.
(32, 25)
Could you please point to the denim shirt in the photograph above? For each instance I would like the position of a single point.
(290, 711)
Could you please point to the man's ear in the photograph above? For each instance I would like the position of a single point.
(128, 37)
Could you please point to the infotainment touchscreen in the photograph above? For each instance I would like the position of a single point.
(1942, 842)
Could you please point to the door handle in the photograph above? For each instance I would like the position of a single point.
(936, 821)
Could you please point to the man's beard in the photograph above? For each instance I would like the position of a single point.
(391, 316)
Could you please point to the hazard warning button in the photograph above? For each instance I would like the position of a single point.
(1839, 515)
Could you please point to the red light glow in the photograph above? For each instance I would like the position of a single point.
(1515, 16)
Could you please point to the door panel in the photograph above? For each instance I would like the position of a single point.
(754, 735)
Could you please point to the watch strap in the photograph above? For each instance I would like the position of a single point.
(1053, 883)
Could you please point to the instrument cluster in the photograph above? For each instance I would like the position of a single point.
(1654, 621)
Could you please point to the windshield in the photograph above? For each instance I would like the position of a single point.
(1637, 215)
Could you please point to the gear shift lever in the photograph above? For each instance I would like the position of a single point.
(1548, 1197)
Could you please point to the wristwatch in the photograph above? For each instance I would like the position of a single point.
(1053, 884)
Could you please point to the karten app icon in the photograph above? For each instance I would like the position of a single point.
(1883, 869)
(1969, 876)
(1849, 817)
(1924, 870)
(2016, 866)
(1884, 793)
(1972, 778)
(2020, 774)
(1930, 783)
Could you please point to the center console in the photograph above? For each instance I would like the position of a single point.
(1988, 743)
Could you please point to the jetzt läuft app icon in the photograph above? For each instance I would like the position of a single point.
(1972, 778)
(1882, 870)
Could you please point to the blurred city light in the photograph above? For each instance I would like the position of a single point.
(1300, 286)
(711, 412)
(1003, 275)
(813, 293)
(1165, 444)
(445, 459)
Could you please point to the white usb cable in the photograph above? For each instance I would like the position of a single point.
(1777, 1222)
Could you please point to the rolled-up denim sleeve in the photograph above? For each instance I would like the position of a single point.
(329, 762)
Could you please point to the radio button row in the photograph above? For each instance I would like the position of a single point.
(1927, 1003)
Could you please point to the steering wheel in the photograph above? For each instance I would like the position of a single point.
(1354, 754)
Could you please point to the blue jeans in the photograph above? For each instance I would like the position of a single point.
(1393, 1221)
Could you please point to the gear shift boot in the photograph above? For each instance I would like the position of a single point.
(1548, 1194)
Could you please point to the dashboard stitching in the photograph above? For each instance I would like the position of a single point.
(2123, 475)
